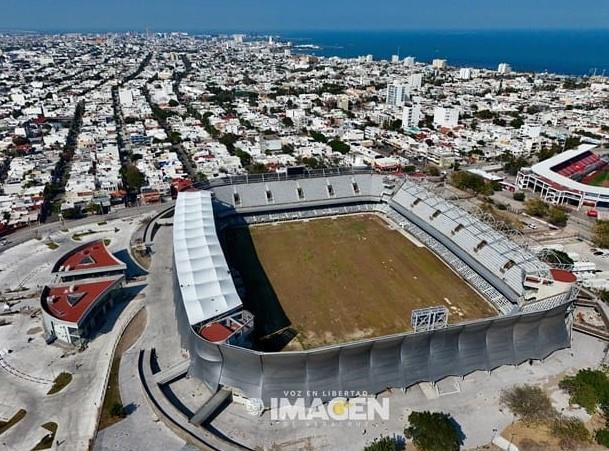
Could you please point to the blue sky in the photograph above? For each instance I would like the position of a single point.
(283, 15)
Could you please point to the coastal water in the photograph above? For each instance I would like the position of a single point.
(560, 51)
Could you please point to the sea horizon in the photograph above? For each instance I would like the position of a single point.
(561, 51)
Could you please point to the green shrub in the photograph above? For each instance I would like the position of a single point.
(382, 444)
(528, 402)
(519, 196)
(118, 410)
(588, 388)
(602, 437)
(433, 431)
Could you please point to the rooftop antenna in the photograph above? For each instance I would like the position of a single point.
(398, 52)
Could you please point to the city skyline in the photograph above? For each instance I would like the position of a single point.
(273, 15)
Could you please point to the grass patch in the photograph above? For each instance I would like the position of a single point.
(61, 381)
(112, 399)
(52, 245)
(6, 425)
(107, 241)
(601, 178)
(78, 236)
(47, 441)
(113, 410)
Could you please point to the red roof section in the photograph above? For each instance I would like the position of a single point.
(94, 255)
(71, 305)
(560, 275)
(215, 332)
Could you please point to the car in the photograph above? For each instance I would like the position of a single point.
(532, 226)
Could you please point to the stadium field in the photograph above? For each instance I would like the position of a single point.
(599, 178)
(330, 281)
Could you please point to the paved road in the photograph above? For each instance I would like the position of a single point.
(141, 429)
(42, 230)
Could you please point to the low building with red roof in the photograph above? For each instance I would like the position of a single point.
(87, 284)
(92, 259)
(72, 313)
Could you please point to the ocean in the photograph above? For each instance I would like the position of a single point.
(561, 51)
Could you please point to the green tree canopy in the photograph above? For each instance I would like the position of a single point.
(382, 444)
(339, 146)
(433, 431)
(536, 207)
(132, 177)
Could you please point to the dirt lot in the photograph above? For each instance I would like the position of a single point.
(336, 280)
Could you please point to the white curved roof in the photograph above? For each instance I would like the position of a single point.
(544, 169)
(207, 287)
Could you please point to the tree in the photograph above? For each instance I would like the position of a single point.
(519, 196)
(516, 122)
(229, 140)
(557, 216)
(133, 178)
(513, 165)
(556, 257)
(382, 444)
(536, 207)
(173, 103)
(175, 138)
(600, 234)
(528, 402)
(288, 122)
(433, 431)
(257, 168)
(339, 146)
(318, 136)
(467, 181)
(432, 170)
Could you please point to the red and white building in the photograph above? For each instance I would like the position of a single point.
(562, 179)
(87, 284)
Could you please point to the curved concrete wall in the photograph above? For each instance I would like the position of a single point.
(374, 365)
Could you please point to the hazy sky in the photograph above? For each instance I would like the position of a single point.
(282, 15)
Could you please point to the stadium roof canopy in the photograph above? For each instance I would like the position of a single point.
(544, 169)
(207, 287)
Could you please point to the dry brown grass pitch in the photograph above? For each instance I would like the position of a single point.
(337, 280)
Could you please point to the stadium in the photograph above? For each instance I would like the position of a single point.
(352, 281)
(578, 177)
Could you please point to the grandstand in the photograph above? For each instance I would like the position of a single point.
(533, 307)
(580, 165)
(575, 177)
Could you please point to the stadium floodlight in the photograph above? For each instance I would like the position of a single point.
(430, 318)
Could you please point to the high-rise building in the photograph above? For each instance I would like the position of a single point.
(397, 94)
(409, 61)
(446, 117)
(411, 116)
(504, 68)
(415, 81)
(465, 73)
(395, 59)
(439, 63)
(369, 58)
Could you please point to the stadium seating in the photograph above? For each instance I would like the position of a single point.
(505, 259)
(580, 166)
